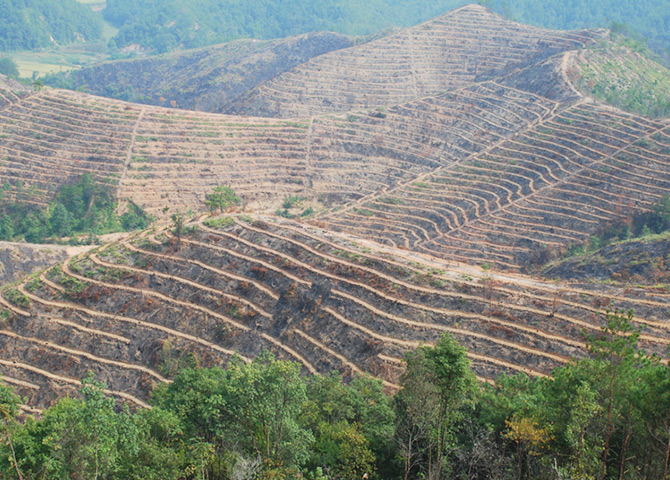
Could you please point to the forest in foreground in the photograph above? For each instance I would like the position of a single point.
(601, 417)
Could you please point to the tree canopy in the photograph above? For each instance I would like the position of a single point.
(164, 26)
(30, 24)
(605, 416)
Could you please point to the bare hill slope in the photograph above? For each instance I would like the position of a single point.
(206, 79)
(135, 310)
(463, 46)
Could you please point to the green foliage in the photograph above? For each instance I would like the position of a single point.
(8, 403)
(164, 26)
(78, 208)
(644, 224)
(17, 298)
(594, 418)
(438, 386)
(642, 18)
(8, 67)
(246, 411)
(76, 438)
(219, 222)
(352, 426)
(292, 201)
(135, 218)
(621, 73)
(222, 198)
(30, 24)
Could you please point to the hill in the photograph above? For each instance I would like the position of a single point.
(31, 24)
(298, 77)
(418, 206)
(206, 79)
(470, 44)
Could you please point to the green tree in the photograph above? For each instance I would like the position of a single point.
(222, 198)
(8, 67)
(8, 410)
(616, 352)
(436, 386)
(77, 438)
(178, 222)
(245, 411)
(60, 222)
(345, 418)
(38, 84)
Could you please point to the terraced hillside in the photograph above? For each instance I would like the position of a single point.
(466, 45)
(424, 212)
(132, 309)
(525, 197)
(488, 173)
(43, 144)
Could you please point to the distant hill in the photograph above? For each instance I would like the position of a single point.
(641, 18)
(30, 24)
(316, 73)
(202, 79)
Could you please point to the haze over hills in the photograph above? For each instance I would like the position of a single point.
(430, 166)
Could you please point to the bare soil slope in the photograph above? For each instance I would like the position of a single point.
(466, 45)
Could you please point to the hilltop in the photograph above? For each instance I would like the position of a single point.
(427, 174)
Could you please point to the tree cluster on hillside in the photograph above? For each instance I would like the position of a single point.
(606, 416)
(30, 24)
(83, 207)
(8, 67)
(648, 19)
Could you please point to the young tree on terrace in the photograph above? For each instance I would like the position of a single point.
(178, 221)
(436, 387)
(222, 198)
